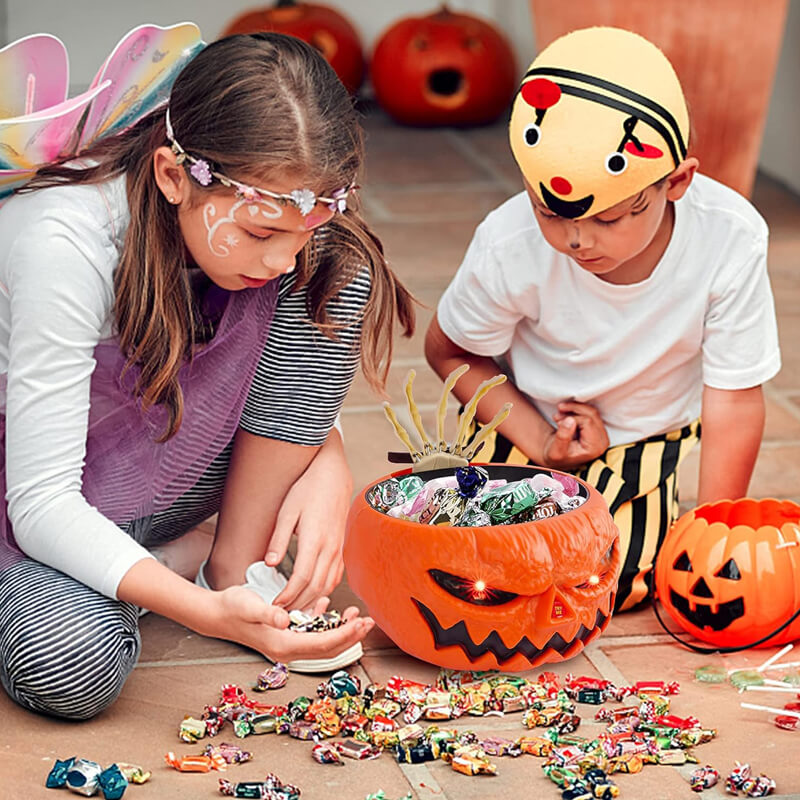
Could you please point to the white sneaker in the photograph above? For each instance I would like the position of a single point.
(268, 583)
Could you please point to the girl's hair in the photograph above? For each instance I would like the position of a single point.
(255, 106)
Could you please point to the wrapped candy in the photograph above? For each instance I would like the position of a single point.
(271, 788)
(305, 623)
(738, 775)
(341, 683)
(508, 501)
(112, 783)
(759, 786)
(263, 723)
(230, 753)
(134, 773)
(445, 507)
(361, 751)
(275, 677)
(411, 486)
(470, 760)
(385, 495)
(703, 778)
(191, 730)
(197, 763)
(58, 774)
(324, 753)
(414, 754)
(82, 776)
(471, 480)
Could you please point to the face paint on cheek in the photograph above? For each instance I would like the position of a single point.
(271, 210)
(220, 249)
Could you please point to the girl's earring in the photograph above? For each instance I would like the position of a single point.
(172, 200)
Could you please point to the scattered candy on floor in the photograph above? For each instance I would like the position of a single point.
(389, 717)
(88, 778)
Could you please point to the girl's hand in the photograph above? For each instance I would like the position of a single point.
(315, 509)
(242, 616)
(579, 437)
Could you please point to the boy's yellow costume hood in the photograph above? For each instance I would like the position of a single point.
(600, 116)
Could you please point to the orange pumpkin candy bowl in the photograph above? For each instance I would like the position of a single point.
(729, 572)
(506, 597)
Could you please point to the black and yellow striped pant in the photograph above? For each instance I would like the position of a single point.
(639, 482)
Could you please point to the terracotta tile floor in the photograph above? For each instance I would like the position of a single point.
(425, 192)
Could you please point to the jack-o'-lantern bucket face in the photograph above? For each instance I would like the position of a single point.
(505, 597)
(729, 572)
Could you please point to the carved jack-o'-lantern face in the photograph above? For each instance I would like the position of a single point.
(729, 572)
(504, 596)
(445, 68)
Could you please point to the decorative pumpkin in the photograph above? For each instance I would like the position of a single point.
(505, 597)
(443, 69)
(729, 572)
(319, 25)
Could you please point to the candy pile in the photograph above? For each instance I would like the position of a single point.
(383, 717)
(87, 777)
(470, 498)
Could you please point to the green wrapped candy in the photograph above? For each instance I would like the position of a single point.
(411, 486)
(511, 500)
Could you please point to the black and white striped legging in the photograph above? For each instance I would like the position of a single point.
(66, 650)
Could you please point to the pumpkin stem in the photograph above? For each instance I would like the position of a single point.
(285, 3)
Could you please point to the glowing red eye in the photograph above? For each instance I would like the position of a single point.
(471, 591)
(540, 93)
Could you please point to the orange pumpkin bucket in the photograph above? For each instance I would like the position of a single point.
(729, 572)
(505, 597)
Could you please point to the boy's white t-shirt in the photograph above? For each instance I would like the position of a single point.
(639, 353)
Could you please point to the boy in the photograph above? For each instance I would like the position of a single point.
(618, 312)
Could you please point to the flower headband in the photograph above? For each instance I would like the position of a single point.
(303, 199)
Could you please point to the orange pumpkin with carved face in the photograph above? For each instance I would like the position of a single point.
(446, 68)
(729, 572)
(505, 597)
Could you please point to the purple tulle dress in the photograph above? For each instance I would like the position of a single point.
(129, 476)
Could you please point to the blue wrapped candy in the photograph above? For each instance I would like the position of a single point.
(58, 775)
(471, 480)
(112, 782)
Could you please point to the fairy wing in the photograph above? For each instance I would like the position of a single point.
(30, 140)
(140, 70)
(34, 74)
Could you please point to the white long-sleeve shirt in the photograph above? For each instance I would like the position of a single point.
(59, 248)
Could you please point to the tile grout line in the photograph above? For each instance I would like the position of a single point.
(467, 150)
(423, 789)
(604, 665)
(779, 396)
(199, 662)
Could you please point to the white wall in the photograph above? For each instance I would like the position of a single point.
(90, 28)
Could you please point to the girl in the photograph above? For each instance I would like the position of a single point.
(180, 318)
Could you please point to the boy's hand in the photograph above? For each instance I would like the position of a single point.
(579, 437)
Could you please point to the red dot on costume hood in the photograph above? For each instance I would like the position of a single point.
(560, 185)
(540, 93)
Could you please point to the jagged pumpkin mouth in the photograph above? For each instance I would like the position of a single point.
(458, 635)
(703, 616)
